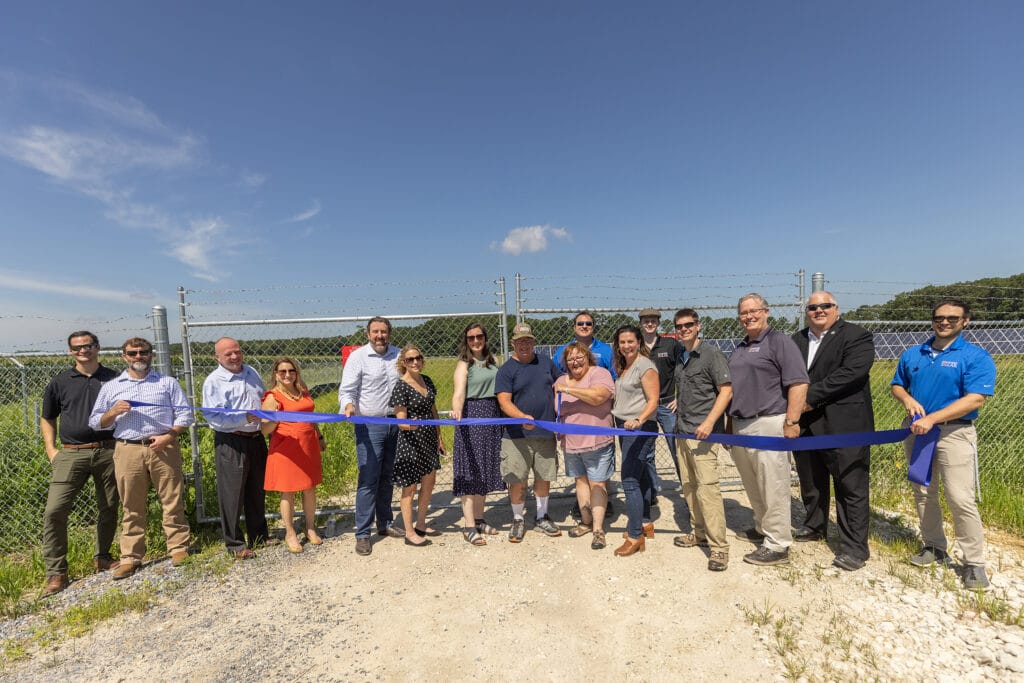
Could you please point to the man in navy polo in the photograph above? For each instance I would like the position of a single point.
(942, 383)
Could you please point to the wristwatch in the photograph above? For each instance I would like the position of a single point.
(792, 423)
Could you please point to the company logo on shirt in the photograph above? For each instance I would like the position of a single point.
(949, 363)
(754, 349)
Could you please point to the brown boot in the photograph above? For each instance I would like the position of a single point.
(102, 564)
(648, 529)
(124, 570)
(630, 546)
(55, 584)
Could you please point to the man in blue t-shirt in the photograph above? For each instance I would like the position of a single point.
(524, 389)
(942, 383)
(583, 327)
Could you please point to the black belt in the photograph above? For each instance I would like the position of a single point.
(248, 435)
(958, 421)
(137, 442)
(106, 443)
(755, 416)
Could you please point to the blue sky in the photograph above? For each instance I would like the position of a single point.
(145, 146)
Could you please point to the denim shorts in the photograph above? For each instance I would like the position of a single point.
(596, 465)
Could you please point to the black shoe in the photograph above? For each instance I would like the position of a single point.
(847, 562)
(518, 530)
(751, 534)
(546, 525)
(424, 542)
(804, 535)
(363, 546)
(391, 532)
(766, 558)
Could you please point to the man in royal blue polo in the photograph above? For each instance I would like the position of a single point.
(942, 383)
(583, 327)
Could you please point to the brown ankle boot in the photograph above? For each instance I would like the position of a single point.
(648, 529)
(630, 546)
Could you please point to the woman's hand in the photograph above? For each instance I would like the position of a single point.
(631, 425)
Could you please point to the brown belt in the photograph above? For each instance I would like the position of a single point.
(108, 443)
(249, 435)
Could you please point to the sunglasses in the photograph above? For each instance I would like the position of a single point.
(414, 359)
(685, 326)
(951, 319)
(476, 337)
(585, 323)
(133, 354)
(287, 372)
(83, 347)
(814, 307)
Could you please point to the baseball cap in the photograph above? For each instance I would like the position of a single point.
(650, 313)
(522, 331)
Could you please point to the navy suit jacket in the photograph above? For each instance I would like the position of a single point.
(840, 388)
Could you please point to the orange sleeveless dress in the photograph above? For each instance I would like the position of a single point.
(293, 460)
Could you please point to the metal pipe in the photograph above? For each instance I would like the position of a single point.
(190, 392)
(161, 341)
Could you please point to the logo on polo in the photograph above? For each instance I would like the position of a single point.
(754, 349)
(949, 363)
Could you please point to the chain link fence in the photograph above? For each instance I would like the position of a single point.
(317, 340)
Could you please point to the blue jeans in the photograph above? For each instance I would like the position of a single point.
(637, 462)
(375, 454)
(667, 419)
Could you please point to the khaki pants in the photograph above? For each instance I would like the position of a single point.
(766, 477)
(954, 464)
(699, 472)
(135, 467)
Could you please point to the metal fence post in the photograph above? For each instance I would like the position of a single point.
(503, 323)
(519, 298)
(190, 392)
(161, 341)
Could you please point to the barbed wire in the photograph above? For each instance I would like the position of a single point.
(651, 277)
(361, 285)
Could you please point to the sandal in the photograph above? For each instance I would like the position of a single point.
(598, 541)
(718, 561)
(580, 529)
(473, 537)
(486, 529)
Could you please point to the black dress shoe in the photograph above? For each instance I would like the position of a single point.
(805, 535)
(847, 562)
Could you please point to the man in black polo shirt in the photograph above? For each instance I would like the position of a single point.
(664, 354)
(84, 452)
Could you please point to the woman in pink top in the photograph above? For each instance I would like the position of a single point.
(583, 396)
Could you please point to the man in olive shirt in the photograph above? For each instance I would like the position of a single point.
(703, 392)
(84, 453)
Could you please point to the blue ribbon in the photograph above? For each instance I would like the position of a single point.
(922, 454)
(762, 443)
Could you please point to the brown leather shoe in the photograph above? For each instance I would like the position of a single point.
(630, 547)
(647, 529)
(102, 564)
(124, 570)
(363, 546)
(244, 554)
(55, 584)
(179, 558)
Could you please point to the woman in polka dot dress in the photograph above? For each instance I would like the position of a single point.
(419, 447)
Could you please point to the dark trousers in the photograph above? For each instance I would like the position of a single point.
(241, 463)
(71, 470)
(849, 470)
(637, 456)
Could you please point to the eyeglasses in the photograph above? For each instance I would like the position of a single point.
(414, 359)
(585, 323)
(951, 319)
(288, 372)
(813, 307)
(140, 352)
(685, 326)
(576, 360)
(475, 337)
(752, 312)
(650, 321)
(83, 347)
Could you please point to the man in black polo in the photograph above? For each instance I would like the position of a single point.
(664, 353)
(84, 453)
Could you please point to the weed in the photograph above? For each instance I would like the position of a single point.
(759, 615)
(996, 608)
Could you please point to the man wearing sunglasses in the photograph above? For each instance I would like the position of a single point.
(839, 357)
(84, 453)
(240, 451)
(583, 328)
(942, 383)
(146, 451)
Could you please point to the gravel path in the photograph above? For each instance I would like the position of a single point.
(541, 610)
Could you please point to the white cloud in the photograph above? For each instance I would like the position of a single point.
(307, 214)
(32, 283)
(530, 239)
(196, 244)
(252, 180)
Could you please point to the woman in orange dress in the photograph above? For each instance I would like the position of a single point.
(293, 461)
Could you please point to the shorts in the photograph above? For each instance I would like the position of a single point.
(519, 456)
(596, 465)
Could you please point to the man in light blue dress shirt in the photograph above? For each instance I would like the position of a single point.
(367, 380)
(240, 451)
(146, 451)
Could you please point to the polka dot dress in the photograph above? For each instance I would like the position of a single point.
(416, 454)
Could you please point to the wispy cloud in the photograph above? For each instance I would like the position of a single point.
(251, 180)
(307, 214)
(115, 137)
(23, 282)
(530, 239)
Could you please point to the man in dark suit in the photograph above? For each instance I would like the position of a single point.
(839, 357)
